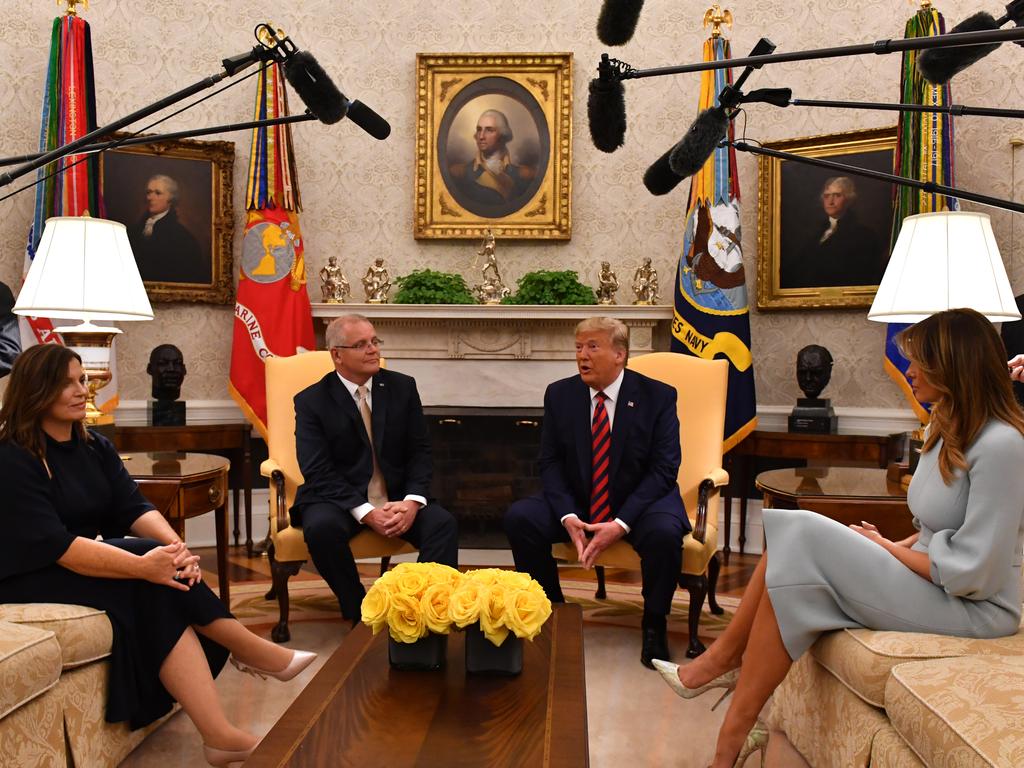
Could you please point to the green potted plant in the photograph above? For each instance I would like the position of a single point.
(551, 287)
(428, 286)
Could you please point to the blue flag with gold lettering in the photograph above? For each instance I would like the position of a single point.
(711, 314)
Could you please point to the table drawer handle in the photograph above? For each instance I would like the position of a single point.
(215, 495)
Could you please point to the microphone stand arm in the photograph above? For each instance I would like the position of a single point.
(950, 109)
(155, 138)
(925, 186)
(1015, 34)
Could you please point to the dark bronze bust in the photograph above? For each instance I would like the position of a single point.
(813, 369)
(167, 369)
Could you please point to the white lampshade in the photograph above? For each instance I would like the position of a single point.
(943, 261)
(84, 269)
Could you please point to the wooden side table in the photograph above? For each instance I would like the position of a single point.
(844, 494)
(186, 485)
(827, 450)
(234, 438)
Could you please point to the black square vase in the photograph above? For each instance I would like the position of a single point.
(485, 658)
(426, 653)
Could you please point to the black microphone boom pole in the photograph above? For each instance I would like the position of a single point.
(925, 186)
(950, 109)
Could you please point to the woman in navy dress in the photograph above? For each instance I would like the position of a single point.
(63, 486)
(959, 575)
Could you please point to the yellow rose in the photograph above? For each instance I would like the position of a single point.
(405, 621)
(492, 613)
(412, 582)
(514, 579)
(374, 609)
(526, 610)
(484, 575)
(464, 604)
(434, 606)
(444, 574)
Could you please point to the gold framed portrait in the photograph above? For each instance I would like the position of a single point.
(175, 198)
(823, 235)
(494, 145)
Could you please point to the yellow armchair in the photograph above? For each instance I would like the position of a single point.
(286, 377)
(701, 386)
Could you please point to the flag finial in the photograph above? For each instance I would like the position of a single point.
(716, 17)
(72, 6)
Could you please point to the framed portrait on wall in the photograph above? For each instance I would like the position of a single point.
(494, 145)
(175, 198)
(823, 235)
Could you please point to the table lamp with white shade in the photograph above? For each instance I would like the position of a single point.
(941, 261)
(84, 270)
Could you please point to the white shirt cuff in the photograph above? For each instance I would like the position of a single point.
(362, 511)
(571, 514)
(418, 499)
(625, 527)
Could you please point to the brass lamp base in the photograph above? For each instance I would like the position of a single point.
(92, 343)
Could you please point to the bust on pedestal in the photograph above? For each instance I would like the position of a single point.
(167, 369)
(812, 414)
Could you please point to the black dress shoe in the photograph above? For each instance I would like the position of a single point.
(655, 646)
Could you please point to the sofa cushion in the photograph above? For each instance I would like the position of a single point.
(84, 634)
(956, 713)
(29, 664)
(862, 658)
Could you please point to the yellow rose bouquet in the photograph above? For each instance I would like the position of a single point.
(411, 600)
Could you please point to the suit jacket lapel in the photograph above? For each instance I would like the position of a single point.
(625, 411)
(346, 405)
(378, 415)
(581, 421)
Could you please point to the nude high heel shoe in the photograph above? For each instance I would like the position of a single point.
(300, 660)
(757, 741)
(670, 674)
(224, 757)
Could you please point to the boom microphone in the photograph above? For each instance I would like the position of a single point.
(618, 19)
(368, 120)
(938, 65)
(315, 87)
(689, 155)
(606, 108)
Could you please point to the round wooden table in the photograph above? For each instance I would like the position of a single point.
(185, 485)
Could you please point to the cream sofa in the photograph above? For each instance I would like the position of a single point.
(895, 699)
(53, 689)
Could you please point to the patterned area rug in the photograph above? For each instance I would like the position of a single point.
(311, 600)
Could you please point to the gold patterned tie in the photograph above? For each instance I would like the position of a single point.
(376, 491)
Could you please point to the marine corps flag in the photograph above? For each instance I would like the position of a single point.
(924, 151)
(711, 316)
(272, 312)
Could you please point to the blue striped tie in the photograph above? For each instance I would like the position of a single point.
(601, 434)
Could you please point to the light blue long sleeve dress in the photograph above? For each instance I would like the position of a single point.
(823, 576)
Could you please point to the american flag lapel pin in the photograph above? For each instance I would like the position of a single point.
(629, 403)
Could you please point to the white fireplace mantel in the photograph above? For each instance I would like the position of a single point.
(492, 355)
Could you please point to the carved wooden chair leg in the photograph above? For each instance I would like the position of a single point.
(714, 568)
(272, 592)
(281, 572)
(385, 563)
(697, 586)
(601, 594)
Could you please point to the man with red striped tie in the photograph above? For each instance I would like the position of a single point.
(608, 462)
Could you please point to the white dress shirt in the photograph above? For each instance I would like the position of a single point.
(364, 509)
(611, 393)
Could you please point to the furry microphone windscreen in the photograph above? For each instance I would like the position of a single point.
(606, 112)
(660, 179)
(316, 89)
(618, 19)
(689, 155)
(938, 65)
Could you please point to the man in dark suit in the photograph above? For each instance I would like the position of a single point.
(609, 459)
(352, 480)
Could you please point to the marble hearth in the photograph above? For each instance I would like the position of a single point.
(478, 356)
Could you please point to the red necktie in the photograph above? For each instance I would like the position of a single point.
(601, 440)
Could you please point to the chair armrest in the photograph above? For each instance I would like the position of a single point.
(715, 479)
(268, 467)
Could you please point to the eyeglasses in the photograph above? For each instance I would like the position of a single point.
(360, 345)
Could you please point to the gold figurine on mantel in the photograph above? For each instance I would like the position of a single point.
(607, 284)
(334, 284)
(645, 283)
(377, 282)
(491, 290)
(716, 17)
(70, 4)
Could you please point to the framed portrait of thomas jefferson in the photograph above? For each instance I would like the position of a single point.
(823, 234)
(494, 145)
(175, 199)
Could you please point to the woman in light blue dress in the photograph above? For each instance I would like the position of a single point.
(960, 575)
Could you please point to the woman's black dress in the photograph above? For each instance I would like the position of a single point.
(91, 493)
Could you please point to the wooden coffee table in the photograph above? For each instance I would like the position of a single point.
(357, 711)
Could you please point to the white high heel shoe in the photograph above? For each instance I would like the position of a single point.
(300, 660)
(670, 674)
